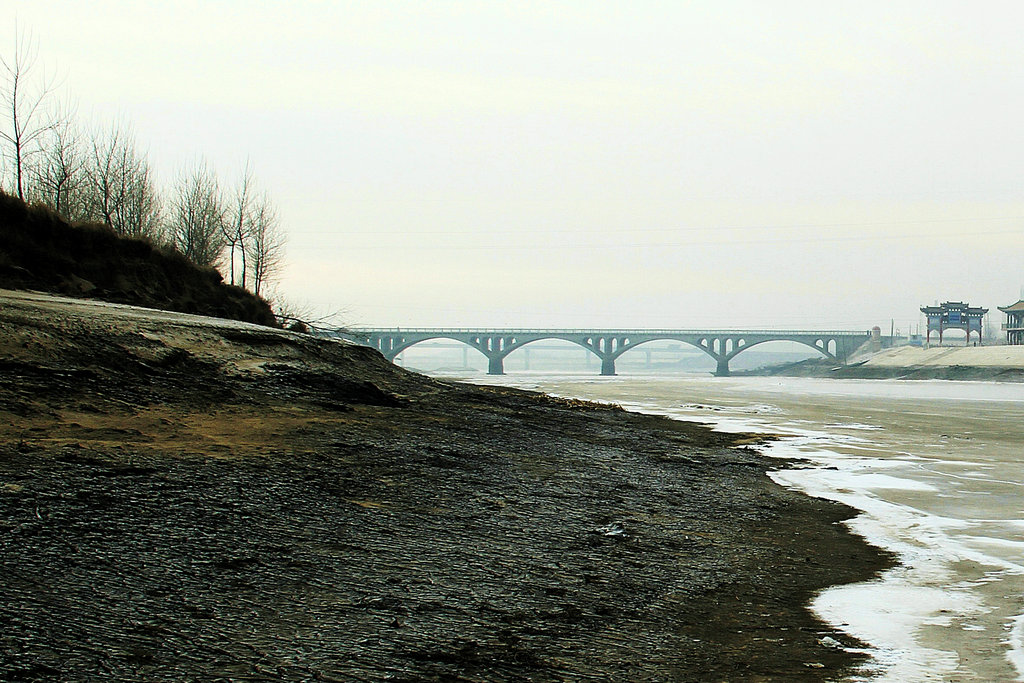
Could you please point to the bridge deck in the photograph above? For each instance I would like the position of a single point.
(591, 330)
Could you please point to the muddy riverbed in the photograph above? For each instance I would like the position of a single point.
(189, 499)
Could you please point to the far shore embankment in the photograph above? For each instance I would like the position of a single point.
(968, 363)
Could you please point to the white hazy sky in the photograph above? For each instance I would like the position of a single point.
(588, 163)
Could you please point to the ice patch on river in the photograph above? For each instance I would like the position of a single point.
(922, 591)
(889, 612)
(1016, 643)
(757, 409)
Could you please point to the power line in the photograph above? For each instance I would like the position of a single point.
(396, 246)
(687, 228)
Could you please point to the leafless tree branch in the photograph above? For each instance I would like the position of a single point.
(265, 244)
(238, 226)
(121, 190)
(197, 216)
(24, 102)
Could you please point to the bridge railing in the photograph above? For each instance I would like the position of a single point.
(499, 331)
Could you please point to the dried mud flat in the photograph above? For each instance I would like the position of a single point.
(189, 499)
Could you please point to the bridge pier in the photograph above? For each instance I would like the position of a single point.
(723, 367)
(495, 365)
(607, 366)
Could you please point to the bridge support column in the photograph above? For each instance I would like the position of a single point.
(495, 365)
(723, 367)
(607, 366)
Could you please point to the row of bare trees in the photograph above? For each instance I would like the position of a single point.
(99, 174)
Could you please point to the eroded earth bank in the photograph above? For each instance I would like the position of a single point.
(184, 498)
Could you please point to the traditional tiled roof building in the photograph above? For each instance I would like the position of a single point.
(954, 315)
(1014, 324)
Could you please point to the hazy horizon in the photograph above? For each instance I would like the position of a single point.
(572, 164)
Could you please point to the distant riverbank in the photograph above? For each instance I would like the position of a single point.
(975, 363)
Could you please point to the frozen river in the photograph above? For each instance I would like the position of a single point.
(937, 471)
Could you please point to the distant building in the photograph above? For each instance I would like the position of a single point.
(954, 315)
(1014, 324)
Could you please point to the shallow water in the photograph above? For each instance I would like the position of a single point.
(937, 471)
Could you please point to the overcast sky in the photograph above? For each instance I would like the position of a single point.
(568, 164)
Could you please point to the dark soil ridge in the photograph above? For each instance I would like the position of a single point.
(41, 251)
(187, 499)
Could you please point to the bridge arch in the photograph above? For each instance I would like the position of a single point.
(635, 343)
(827, 348)
(440, 351)
(604, 347)
(564, 343)
(392, 350)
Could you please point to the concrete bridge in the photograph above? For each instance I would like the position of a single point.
(608, 345)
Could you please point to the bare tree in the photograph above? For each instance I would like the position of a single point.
(252, 235)
(105, 173)
(197, 216)
(265, 244)
(59, 176)
(238, 226)
(140, 211)
(26, 118)
(121, 190)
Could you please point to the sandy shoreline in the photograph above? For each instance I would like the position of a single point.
(185, 498)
